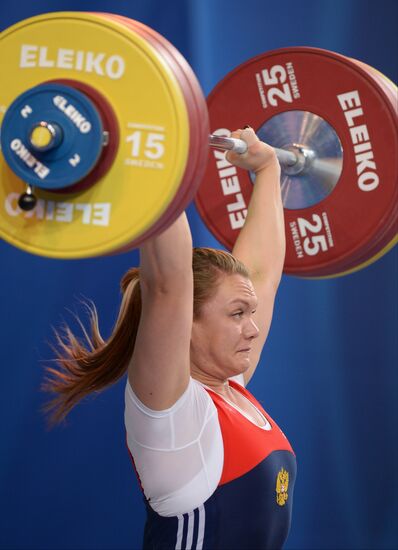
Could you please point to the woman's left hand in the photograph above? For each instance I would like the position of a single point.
(258, 156)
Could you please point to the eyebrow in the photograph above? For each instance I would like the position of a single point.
(242, 301)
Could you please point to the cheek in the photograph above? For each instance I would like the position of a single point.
(215, 333)
(227, 332)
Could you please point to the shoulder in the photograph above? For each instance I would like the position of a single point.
(157, 428)
(177, 452)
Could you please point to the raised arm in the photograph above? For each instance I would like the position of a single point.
(159, 369)
(261, 242)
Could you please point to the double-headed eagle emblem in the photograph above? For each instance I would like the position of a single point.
(282, 484)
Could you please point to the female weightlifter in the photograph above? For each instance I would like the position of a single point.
(215, 469)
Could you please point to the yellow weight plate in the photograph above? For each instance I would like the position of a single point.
(154, 134)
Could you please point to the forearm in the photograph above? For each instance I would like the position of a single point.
(261, 242)
(166, 259)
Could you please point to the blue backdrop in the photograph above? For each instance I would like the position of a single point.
(328, 373)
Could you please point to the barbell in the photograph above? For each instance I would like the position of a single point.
(105, 137)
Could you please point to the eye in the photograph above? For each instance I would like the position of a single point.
(237, 313)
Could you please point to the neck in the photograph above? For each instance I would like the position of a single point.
(219, 385)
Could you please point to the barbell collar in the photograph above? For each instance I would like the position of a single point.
(286, 158)
(45, 136)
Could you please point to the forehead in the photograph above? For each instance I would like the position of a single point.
(235, 287)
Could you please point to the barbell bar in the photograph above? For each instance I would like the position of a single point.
(318, 168)
(302, 159)
(296, 161)
(287, 158)
(41, 142)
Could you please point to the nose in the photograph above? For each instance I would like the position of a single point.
(251, 329)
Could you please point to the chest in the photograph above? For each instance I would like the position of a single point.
(249, 436)
(247, 409)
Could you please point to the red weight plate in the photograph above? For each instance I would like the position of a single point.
(198, 120)
(387, 237)
(197, 107)
(197, 110)
(171, 213)
(159, 225)
(332, 231)
(389, 86)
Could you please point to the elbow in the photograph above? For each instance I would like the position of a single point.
(275, 275)
(270, 276)
(272, 281)
(275, 281)
(163, 267)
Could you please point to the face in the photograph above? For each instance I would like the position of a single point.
(223, 335)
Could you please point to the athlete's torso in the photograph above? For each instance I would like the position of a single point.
(251, 506)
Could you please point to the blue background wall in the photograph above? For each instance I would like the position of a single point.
(329, 370)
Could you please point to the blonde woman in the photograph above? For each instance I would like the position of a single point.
(215, 469)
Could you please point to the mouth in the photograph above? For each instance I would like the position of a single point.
(246, 350)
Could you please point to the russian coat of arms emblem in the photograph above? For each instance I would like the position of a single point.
(282, 485)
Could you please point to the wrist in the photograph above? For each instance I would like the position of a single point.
(272, 163)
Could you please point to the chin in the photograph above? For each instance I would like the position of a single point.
(240, 369)
(245, 368)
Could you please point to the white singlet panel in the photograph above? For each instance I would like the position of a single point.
(178, 452)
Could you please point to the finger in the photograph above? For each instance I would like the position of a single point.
(248, 135)
(236, 133)
(228, 155)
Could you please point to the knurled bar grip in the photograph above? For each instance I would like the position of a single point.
(285, 157)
